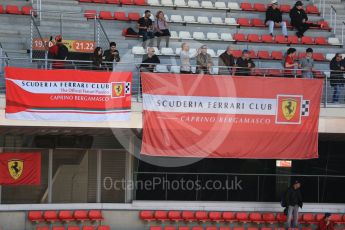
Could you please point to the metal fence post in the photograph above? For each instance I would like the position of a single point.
(46, 60)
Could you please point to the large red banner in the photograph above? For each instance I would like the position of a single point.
(67, 95)
(20, 168)
(230, 117)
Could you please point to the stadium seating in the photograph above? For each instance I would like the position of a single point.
(51, 216)
(35, 216)
(81, 215)
(66, 216)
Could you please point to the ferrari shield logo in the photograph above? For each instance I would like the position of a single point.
(289, 107)
(15, 168)
(118, 89)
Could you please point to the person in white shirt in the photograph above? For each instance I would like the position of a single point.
(185, 57)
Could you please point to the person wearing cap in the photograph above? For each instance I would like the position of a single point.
(299, 19)
(225, 61)
(274, 18)
(307, 64)
(58, 52)
(293, 202)
(203, 61)
(326, 223)
(146, 28)
(245, 64)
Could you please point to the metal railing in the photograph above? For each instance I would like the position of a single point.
(333, 19)
(342, 33)
(38, 5)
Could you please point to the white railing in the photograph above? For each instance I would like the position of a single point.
(333, 19)
(38, 5)
(342, 33)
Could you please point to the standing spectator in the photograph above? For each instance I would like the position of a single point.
(225, 61)
(307, 64)
(112, 54)
(326, 223)
(245, 64)
(185, 57)
(299, 19)
(149, 60)
(146, 28)
(97, 59)
(204, 61)
(162, 29)
(58, 52)
(274, 18)
(336, 76)
(290, 63)
(293, 202)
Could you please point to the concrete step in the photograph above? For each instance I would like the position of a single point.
(65, 24)
(62, 8)
(60, 2)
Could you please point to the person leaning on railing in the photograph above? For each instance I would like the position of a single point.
(58, 52)
(337, 67)
(225, 62)
(307, 64)
(245, 64)
(204, 61)
(149, 61)
(97, 59)
(290, 62)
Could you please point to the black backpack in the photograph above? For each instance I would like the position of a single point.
(130, 31)
(62, 52)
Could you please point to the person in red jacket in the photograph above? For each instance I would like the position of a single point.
(326, 223)
(58, 52)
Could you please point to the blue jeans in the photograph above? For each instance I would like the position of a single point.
(282, 24)
(147, 35)
(336, 93)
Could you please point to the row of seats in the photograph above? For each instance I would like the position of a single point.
(13, 9)
(243, 217)
(218, 228)
(262, 54)
(117, 2)
(107, 15)
(64, 216)
(104, 227)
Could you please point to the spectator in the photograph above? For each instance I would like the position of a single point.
(293, 201)
(307, 64)
(337, 76)
(146, 28)
(112, 54)
(299, 19)
(162, 29)
(97, 59)
(185, 57)
(326, 223)
(203, 60)
(245, 64)
(225, 61)
(289, 63)
(274, 18)
(149, 60)
(58, 52)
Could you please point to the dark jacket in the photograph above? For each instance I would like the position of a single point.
(149, 67)
(110, 57)
(323, 225)
(297, 16)
(244, 71)
(273, 15)
(293, 197)
(225, 60)
(96, 62)
(336, 76)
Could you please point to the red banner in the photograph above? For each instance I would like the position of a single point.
(67, 95)
(230, 117)
(20, 168)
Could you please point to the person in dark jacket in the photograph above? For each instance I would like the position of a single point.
(299, 19)
(58, 52)
(225, 61)
(274, 18)
(293, 201)
(97, 59)
(112, 54)
(337, 80)
(149, 61)
(245, 64)
(326, 223)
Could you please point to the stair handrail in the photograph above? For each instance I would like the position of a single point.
(333, 19)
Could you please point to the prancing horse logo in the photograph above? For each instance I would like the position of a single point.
(15, 168)
(289, 107)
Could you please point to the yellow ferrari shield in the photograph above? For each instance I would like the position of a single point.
(118, 89)
(15, 167)
(289, 107)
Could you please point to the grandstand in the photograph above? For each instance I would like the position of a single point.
(94, 174)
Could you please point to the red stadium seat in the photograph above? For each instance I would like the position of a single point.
(201, 216)
(106, 15)
(140, 2)
(156, 228)
(229, 216)
(277, 55)
(236, 54)
(266, 228)
(188, 216)
(95, 215)
(253, 228)
(169, 228)
(311, 9)
(267, 38)
(12, 9)
(321, 41)
(85, 1)
(309, 218)
(26, 10)
(116, 2)
(255, 217)
(146, 215)
(1, 9)
(293, 39)
(127, 2)
(318, 74)
(175, 216)
(246, 6)
(80, 215)
(243, 22)
(183, 228)
(75, 228)
(307, 40)
(98, 1)
(211, 228)
(35, 216)
(281, 39)
(238, 228)
(301, 55)
(161, 215)
(263, 54)
(253, 38)
(242, 217)
(319, 57)
(58, 228)
(259, 7)
(133, 16)
(325, 25)
(281, 217)
(197, 228)
(42, 228)
(215, 216)
(337, 218)
(319, 217)
(90, 14)
(224, 228)
(104, 227)
(285, 8)
(88, 228)
(240, 37)
(120, 16)
(252, 54)
(66, 216)
(50, 216)
(269, 218)
(306, 228)
(257, 22)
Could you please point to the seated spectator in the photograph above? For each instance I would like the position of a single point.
(225, 61)
(203, 61)
(274, 18)
(97, 59)
(290, 63)
(149, 61)
(185, 57)
(58, 51)
(162, 29)
(326, 223)
(245, 64)
(299, 19)
(112, 54)
(146, 28)
(337, 76)
(307, 64)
